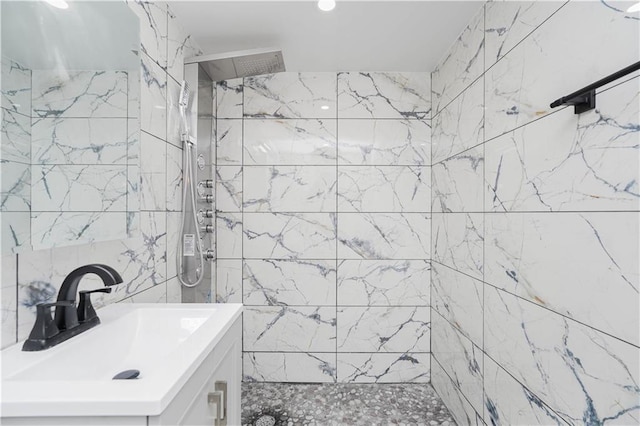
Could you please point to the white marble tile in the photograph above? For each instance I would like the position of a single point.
(153, 191)
(79, 94)
(383, 329)
(229, 281)
(458, 298)
(141, 261)
(457, 240)
(155, 294)
(520, 87)
(384, 142)
(460, 125)
(384, 368)
(134, 183)
(79, 141)
(9, 306)
(229, 96)
(290, 235)
(570, 162)
(16, 137)
(507, 402)
(583, 375)
(16, 87)
(507, 23)
(79, 188)
(293, 367)
(456, 403)
(291, 95)
(289, 282)
(228, 141)
(153, 28)
(290, 188)
(174, 219)
(383, 235)
(457, 183)
(229, 235)
(56, 229)
(173, 112)
(174, 178)
(461, 65)
(383, 282)
(292, 329)
(153, 99)
(180, 46)
(174, 290)
(582, 265)
(133, 141)
(384, 189)
(460, 358)
(228, 190)
(16, 232)
(293, 142)
(153, 154)
(133, 92)
(15, 187)
(384, 95)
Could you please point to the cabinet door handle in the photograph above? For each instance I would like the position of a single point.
(219, 398)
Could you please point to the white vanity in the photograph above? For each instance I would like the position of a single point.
(188, 356)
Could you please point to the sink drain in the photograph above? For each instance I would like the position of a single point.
(265, 420)
(127, 375)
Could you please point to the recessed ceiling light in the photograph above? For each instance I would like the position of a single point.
(634, 8)
(324, 107)
(326, 5)
(60, 4)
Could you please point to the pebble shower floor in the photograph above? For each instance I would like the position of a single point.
(342, 405)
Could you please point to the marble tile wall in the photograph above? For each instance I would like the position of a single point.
(323, 217)
(535, 236)
(143, 260)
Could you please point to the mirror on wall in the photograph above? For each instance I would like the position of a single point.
(70, 123)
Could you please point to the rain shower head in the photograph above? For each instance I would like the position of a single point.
(242, 63)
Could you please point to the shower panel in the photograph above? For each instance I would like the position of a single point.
(201, 129)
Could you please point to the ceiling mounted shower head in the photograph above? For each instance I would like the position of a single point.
(242, 63)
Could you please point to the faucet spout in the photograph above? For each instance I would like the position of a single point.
(67, 318)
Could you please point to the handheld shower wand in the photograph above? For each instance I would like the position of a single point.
(189, 257)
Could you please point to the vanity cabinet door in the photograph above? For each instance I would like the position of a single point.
(199, 400)
(219, 402)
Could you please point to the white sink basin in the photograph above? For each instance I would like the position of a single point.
(165, 342)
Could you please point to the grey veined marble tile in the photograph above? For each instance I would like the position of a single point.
(580, 373)
(291, 95)
(290, 188)
(79, 94)
(384, 142)
(289, 282)
(384, 95)
(384, 329)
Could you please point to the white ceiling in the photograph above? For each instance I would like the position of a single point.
(355, 36)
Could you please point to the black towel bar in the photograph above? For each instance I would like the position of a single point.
(585, 98)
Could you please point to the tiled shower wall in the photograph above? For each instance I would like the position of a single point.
(146, 261)
(535, 218)
(323, 200)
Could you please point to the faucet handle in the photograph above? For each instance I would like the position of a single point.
(45, 327)
(86, 312)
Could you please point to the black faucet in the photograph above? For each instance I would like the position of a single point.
(69, 320)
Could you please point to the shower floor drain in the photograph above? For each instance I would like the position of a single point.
(265, 420)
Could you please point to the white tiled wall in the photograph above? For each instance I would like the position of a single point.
(149, 276)
(323, 199)
(535, 253)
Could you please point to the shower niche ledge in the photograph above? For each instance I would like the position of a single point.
(188, 358)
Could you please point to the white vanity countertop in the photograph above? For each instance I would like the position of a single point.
(166, 342)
